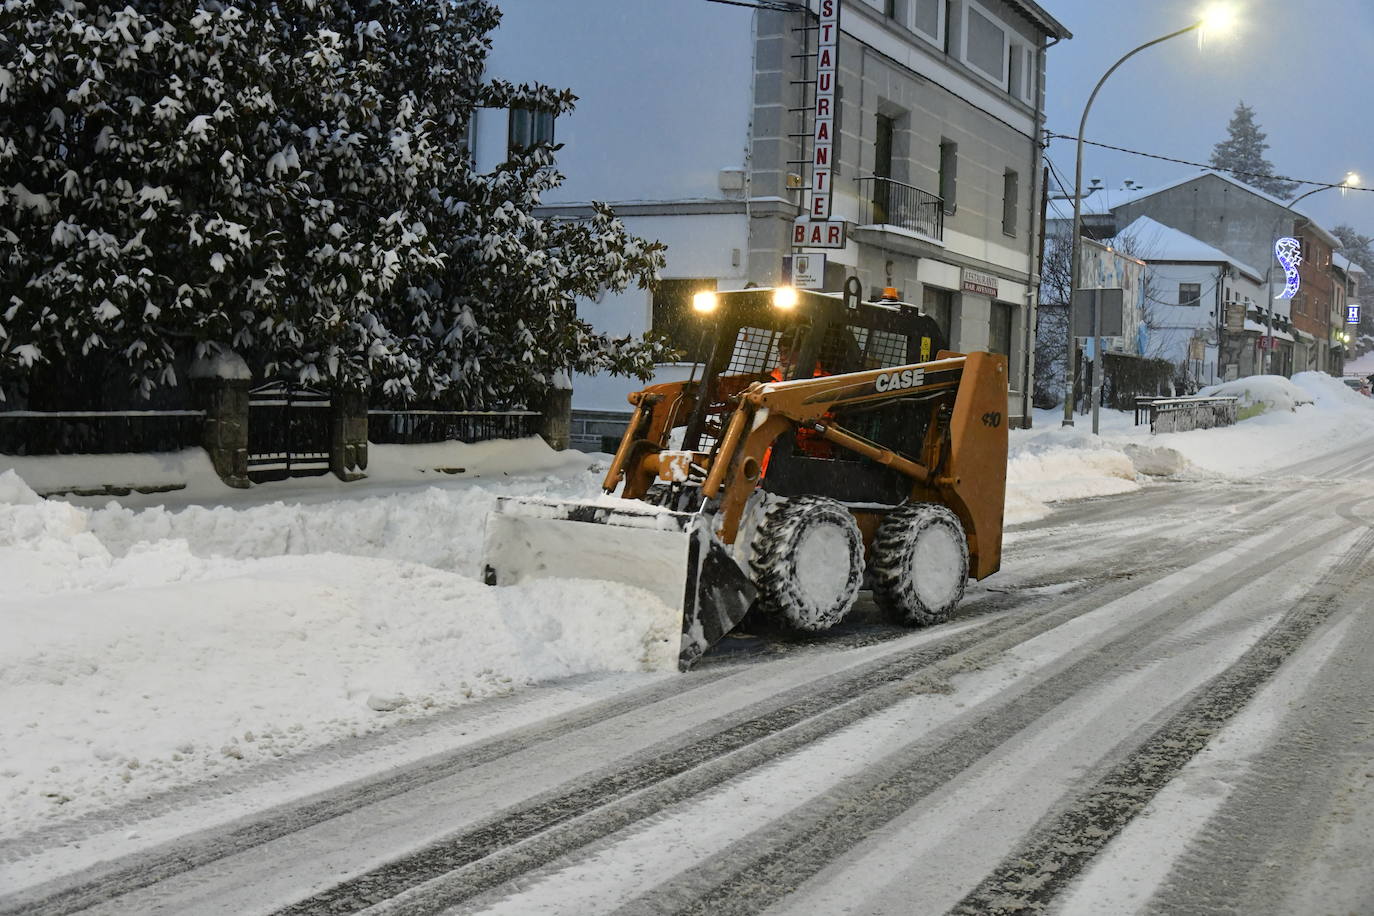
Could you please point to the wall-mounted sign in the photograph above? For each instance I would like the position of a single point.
(810, 234)
(1352, 313)
(976, 281)
(823, 131)
(805, 271)
(1289, 254)
(817, 229)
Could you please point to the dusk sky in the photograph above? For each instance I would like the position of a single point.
(1305, 68)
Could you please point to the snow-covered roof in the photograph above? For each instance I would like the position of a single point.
(1345, 264)
(1151, 240)
(1103, 201)
(1256, 326)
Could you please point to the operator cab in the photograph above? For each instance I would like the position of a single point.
(784, 334)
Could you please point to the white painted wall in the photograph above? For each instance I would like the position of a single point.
(1175, 325)
(664, 92)
(699, 247)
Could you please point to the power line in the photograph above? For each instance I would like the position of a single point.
(1204, 165)
(1064, 189)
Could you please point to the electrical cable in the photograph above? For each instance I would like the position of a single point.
(1204, 165)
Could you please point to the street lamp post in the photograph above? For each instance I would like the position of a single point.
(1217, 18)
(1350, 181)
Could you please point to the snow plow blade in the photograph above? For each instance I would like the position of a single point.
(670, 554)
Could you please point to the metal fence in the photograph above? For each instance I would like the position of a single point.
(1177, 415)
(892, 203)
(410, 427)
(99, 432)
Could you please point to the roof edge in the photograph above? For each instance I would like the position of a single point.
(1043, 19)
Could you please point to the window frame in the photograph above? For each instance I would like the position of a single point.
(1196, 301)
(1005, 80)
(941, 23)
(1011, 201)
(537, 115)
(1029, 86)
(950, 202)
(1002, 314)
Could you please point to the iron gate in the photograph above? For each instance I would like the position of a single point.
(290, 431)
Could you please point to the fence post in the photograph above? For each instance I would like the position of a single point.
(226, 426)
(348, 446)
(555, 424)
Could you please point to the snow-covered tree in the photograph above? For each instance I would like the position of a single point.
(289, 181)
(1242, 153)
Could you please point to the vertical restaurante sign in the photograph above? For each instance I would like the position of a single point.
(823, 137)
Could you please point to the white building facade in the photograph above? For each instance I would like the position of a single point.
(696, 121)
(1194, 294)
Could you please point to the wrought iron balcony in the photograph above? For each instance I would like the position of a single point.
(888, 202)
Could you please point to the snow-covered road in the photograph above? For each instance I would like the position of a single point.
(1161, 704)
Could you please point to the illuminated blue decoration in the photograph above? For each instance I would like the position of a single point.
(1289, 253)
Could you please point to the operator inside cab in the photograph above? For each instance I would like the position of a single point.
(789, 353)
(809, 442)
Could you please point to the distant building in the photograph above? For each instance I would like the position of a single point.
(1244, 223)
(1345, 332)
(1201, 308)
(697, 122)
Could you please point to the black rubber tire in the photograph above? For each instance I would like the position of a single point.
(793, 594)
(908, 537)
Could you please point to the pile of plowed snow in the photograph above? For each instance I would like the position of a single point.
(1268, 392)
(147, 649)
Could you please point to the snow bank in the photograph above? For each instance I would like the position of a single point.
(65, 473)
(1056, 463)
(160, 647)
(1268, 392)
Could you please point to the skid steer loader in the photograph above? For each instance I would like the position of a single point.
(823, 447)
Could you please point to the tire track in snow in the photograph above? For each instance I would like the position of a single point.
(1031, 875)
(1270, 819)
(489, 859)
(760, 870)
(130, 873)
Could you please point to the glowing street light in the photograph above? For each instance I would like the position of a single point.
(1218, 19)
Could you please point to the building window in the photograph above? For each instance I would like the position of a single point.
(949, 173)
(928, 19)
(676, 320)
(1190, 294)
(939, 304)
(882, 168)
(999, 330)
(1010, 192)
(1028, 86)
(529, 128)
(468, 144)
(985, 45)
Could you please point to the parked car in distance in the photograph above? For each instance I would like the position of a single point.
(1355, 383)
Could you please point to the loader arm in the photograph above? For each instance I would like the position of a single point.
(968, 473)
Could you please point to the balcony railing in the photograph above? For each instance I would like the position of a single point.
(892, 203)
